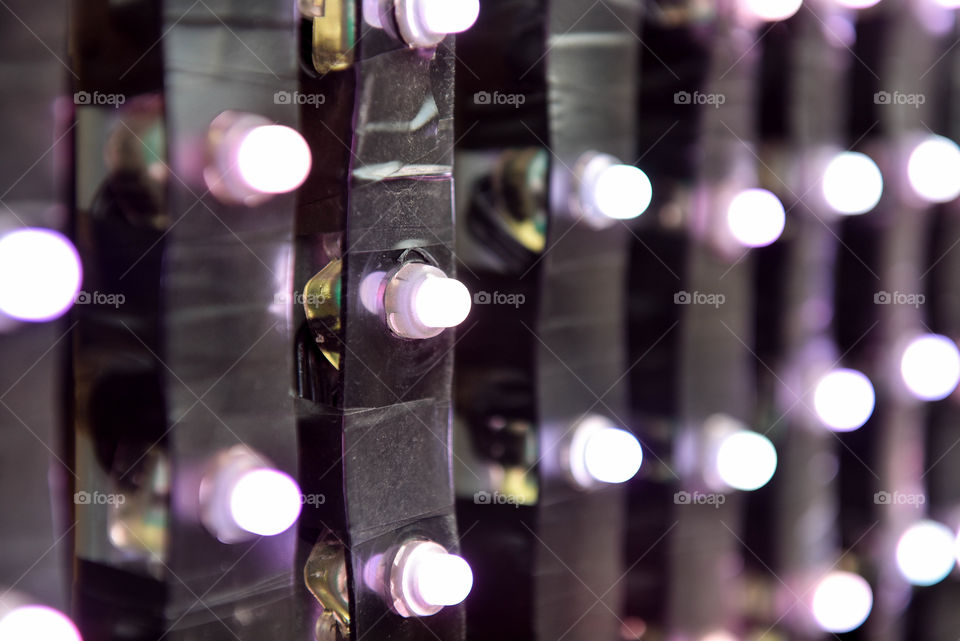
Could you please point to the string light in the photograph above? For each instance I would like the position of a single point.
(841, 602)
(42, 274)
(925, 553)
(424, 578)
(273, 159)
(756, 218)
(934, 169)
(441, 302)
(608, 190)
(857, 4)
(622, 192)
(852, 183)
(843, 399)
(930, 367)
(602, 453)
(265, 502)
(32, 622)
(772, 10)
(746, 460)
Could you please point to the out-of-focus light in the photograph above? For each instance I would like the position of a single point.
(852, 183)
(622, 192)
(718, 635)
(42, 274)
(265, 502)
(448, 16)
(273, 159)
(441, 302)
(857, 4)
(948, 4)
(842, 602)
(772, 10)
(925, 553)
(930, 367)
(844, 399)
(934, 169)
(755, 217)
(602, 453)
(746, 460)
(35, 622)
(443, 579)
(608, 190)
(612, 455)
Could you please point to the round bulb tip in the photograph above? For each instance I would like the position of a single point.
(612, 455)
(273, 159)
(442, 302)
(265, 502)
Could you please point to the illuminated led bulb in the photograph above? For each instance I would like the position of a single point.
(602, 453)
(33, 622)
(852, 183)
(934, 169)
(857, 4)
(416, 300)
(925, 553)
(755, 217)
(746, 460)
(243, 497)
(253, 159)
(930, 367)
(424, 23)
(424, 578)
(607, 190)
(949, 4)
(772, 10)
(843, 400)
(265, 502)
(42, 274)
(842, 602)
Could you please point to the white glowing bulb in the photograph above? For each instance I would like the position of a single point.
(772, 10)
(930, 367)
(755, 217)
(447, 16)
(442, 579)
(41, 274)
(32, 622)
(602, 453)
(844, 399)
(857, 4)
(265, 501)
(925, 553)
(842, 602)
(441, 302)
(852, 183)
(612, 455)
(621, 192)
(746, 460)
(273, 159)
(934, 169)
(949, 4)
